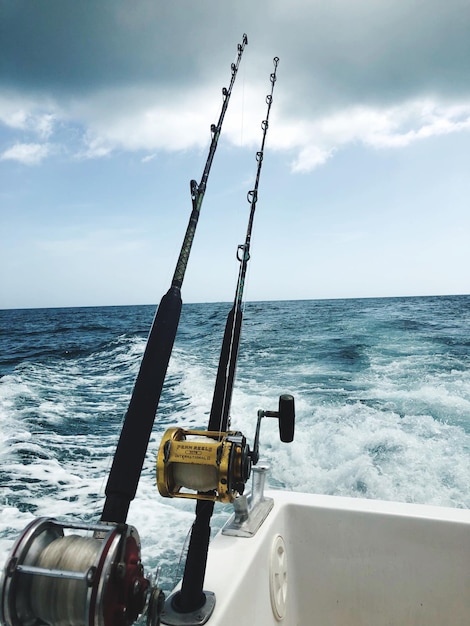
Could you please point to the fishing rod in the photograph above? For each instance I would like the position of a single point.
(219, 415)
(55, 575)
(192, 597)
(133, 442)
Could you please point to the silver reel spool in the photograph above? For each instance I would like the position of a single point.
(91, 579)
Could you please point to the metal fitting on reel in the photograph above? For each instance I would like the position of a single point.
(202, 464)
(91, 579)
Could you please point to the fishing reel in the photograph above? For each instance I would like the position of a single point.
(203, 464)
(208, 465)
(94, 578)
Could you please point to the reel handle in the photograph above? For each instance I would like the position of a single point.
(286, 417)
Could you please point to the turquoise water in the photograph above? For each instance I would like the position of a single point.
(382, 390)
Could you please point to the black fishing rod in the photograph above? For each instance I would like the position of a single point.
(192, 597)
(132, 446)
(219, 415)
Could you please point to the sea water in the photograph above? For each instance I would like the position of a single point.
(381, 387)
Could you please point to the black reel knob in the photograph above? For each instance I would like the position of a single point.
(286, 418)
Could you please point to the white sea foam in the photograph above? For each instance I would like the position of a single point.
(385, 418)
(355, 450)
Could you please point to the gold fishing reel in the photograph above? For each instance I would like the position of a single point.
(211, 465)
(202, 464)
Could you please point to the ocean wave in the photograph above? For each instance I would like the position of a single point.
(383, 405)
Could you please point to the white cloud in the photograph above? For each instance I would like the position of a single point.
(380, 128)
(95, 148)
(44, 125)
(419, 120)
(33, 122)
(145, 120)
(175, 118)
(309, 158)
(152, 120)
(30, 115)
(14, 118)
(349, 72)
(149, 157)
(27, 153)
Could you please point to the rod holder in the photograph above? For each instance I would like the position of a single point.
(250, 510)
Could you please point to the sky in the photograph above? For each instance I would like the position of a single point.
(105, 115)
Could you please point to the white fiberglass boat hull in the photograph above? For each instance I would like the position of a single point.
(344, 561)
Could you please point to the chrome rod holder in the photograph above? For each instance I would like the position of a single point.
(250, 510)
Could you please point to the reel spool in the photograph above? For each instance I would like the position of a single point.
(74, 580)
(202, 464)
